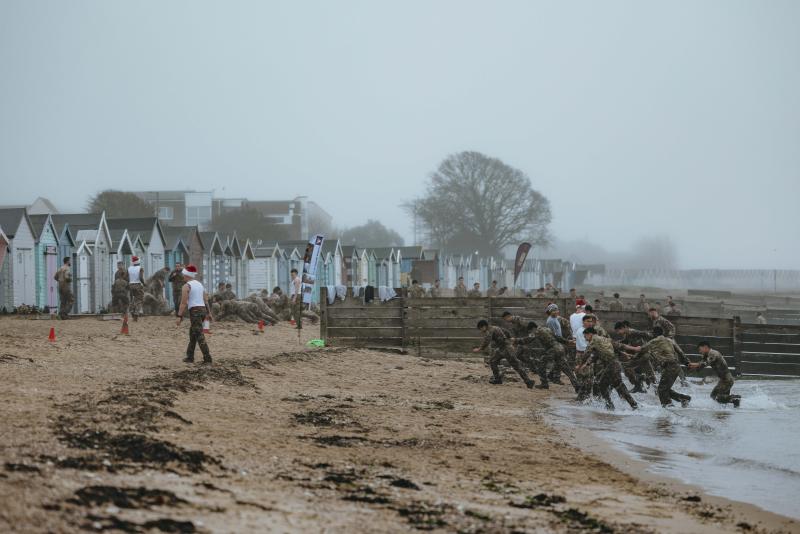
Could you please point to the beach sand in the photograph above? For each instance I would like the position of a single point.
(105, 431)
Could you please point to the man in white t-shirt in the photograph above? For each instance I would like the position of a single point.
(585, 375)
(576, 320)
(136, 287)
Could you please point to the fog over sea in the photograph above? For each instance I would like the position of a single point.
(749, 454)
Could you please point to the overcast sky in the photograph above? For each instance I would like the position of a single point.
(633, 118)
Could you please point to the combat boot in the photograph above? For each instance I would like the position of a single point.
(495, 380)
(188, 359)
(530, 384)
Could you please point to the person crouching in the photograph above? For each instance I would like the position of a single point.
(194, 299)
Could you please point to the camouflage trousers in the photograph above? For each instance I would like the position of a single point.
(65, 301)
(137, 299)
(585, 377)
(499, 354)
(722, 391)
(120, 302)
(196, 335)
(610, 376)
(669, 374)
(554, 362)
(176, 299)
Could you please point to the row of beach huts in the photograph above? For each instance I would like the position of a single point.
(32, 248)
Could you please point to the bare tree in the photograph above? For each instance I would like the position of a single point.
(370, 234)
(477, 203)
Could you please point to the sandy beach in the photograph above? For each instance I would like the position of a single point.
(102, 431)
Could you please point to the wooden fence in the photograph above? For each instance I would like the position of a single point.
(446, 327)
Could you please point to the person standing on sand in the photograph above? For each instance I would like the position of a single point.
(65, 299)
(296, 298)
(194, 299)
(136, 287)
(177, 281)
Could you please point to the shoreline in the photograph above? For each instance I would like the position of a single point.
(592, 444)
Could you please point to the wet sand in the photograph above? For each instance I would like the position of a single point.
(109, 432)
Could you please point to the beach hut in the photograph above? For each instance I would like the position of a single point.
(350, 261)
(19, 272)
(213, 260)
(243, 277)
(93, 229)
(190, 239)
(83, 275)
(3, 255)
(372, 267)
(283, 269)
(123, 250)
(262, 270)
(147, 237)
(47, 261)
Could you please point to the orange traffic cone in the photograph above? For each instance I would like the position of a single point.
(206, 326)
(52, 336)
(261, 326)
(125, 325)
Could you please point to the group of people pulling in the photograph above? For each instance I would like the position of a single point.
(594, 363)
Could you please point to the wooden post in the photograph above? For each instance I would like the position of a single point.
(323, 314)
(404, 323)
(737, 345)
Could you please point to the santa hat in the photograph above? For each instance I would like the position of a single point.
(135, 260)
(580, 302)
(190, 271)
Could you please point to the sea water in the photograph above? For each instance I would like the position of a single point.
(750, 453)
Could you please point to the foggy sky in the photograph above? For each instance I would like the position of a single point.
(633, 118)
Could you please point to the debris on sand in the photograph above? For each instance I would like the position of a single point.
(99, 524)
(132, 498)
(538, 501)
(21, 468)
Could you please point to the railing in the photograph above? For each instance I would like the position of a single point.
(446, 327)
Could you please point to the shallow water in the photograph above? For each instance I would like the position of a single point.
(749, 454)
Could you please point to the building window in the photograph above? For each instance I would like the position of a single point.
(166, 213)
(198, 216)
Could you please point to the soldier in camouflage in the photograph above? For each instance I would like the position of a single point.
(65, 298)
(601, 350)
(714, 359)
(436, 290)
(517, 328)
(553, 356)
(493, 290)
(475, 292)
(177, 281)
(656, 320)
(616, 305)
(641, 371)
(497, 340)
(461, 289)
(642, 305)
(416, 291)
(666, 354)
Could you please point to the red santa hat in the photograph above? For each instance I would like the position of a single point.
(135, 260)
(190, 271)
(580, 302)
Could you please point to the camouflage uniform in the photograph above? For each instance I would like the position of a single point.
(228, 294)
(416, 292)
(666, 326)
(518, 328)
(177, 281)
(65, 298)
(474, 293)
(461, 291)
(492, 291)
(641, 371)
(616, 305)
(196, 335)
(643, 306)
(601, 349)
(722, 391)
(667, 355)
(120, 300)
(554, 355)
(496, 339)
(435, 292)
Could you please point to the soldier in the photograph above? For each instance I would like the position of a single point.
(616, 305)
(461, 289)
(493, 290)
(496, 339)
(554, 355)
(642, 305)
(643, 372)
(121, 272)
(760, 319)
(601, 350)
(657, 321)
(517, 328)
(194, 301)
(673, 309)
(573, 294)
(595, 323)
(136, 287)
(599, 305)
(416, 291)
(714, 359)
(120, 295)
(540, 294)
(475, 292)
(296, 298)
(177, 281)
(228, 294)
(584, 373)
(436, 289)
(65, 299)
(666, 354)
(553, 323)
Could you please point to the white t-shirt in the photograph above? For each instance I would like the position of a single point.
(196, 291)
(134, 274)
(294, 286)
(576, 322)
(580, 341)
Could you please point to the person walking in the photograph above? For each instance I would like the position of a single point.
(136, 287)
(194, 301)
